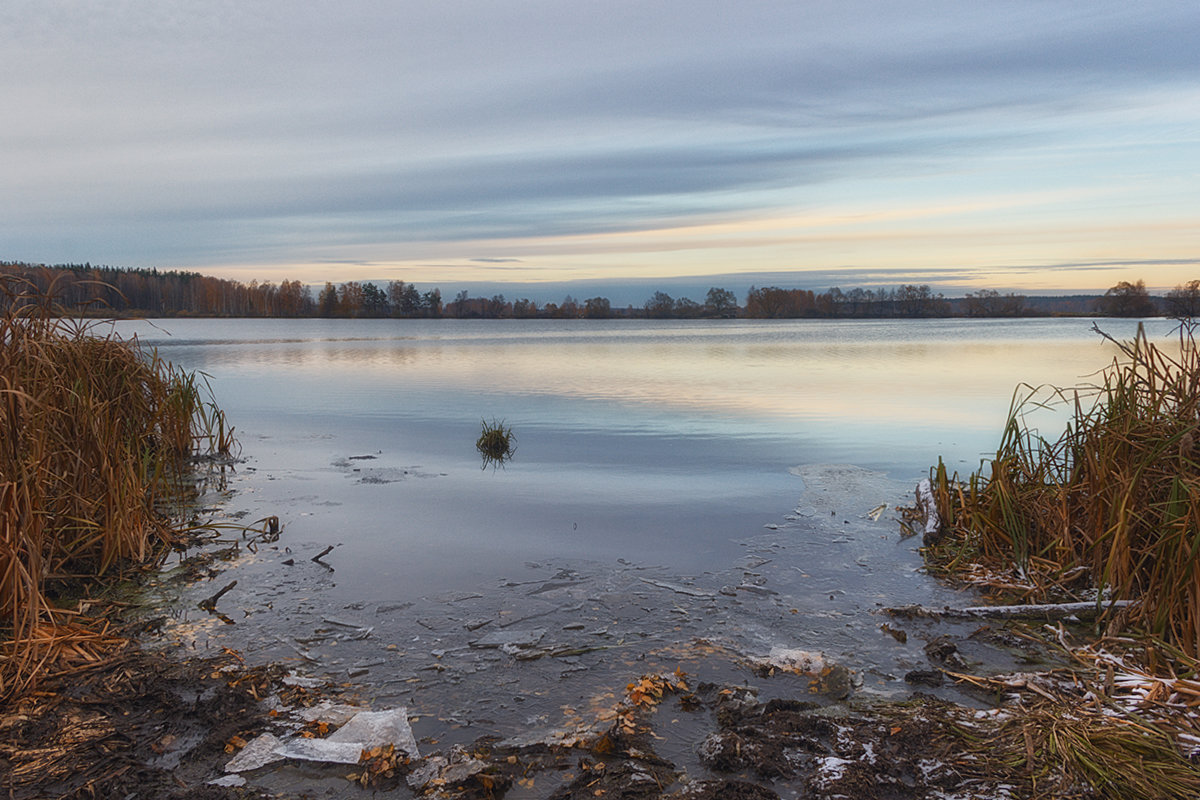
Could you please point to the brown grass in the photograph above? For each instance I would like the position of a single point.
(496, 443)
(1109, 509)
(94, 434)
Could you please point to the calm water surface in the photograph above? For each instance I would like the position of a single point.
(649, 455)
(660, 440)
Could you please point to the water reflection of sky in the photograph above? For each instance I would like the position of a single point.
(903, 392)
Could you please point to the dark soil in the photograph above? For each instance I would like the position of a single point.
(143, 724)
(725, 790)
(146, 725)
(619, 780)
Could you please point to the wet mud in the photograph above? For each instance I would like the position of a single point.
(144, 724)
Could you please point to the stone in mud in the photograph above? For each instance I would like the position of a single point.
(944, 650)
(437, 775)
(924, 677)
(627, 780)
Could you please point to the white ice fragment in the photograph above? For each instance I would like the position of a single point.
(690, 591)
(927, 504)
(320, 750)
(258, 753)
(375, 728)
(325, 711)
(795, 659)
(363, 730)
(832, 768)
(303, 682)
(502, 638)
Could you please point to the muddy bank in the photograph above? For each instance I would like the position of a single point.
(760, 678)
(145, 725)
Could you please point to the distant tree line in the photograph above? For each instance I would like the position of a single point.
(159, 292)
(155, 292)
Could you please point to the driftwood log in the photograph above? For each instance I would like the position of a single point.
(1036, 611)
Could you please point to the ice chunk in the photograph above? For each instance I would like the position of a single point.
(303, 682)
(374, 728)
(363, 730)
(325, 711)
(320, 750)
(505, 638)
(690, 591)
(792, 659)
(258, 753)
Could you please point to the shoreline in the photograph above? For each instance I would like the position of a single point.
(779, 648)
(855, 741)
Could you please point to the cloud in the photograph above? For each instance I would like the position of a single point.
(354, 133)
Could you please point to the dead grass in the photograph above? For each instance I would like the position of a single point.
(1110, 509)
(94, 434)
(496, 443)
(1102, 727)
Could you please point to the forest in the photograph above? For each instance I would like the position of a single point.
(103, 290)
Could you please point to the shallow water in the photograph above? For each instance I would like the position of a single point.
(666, 505)
(654, 442)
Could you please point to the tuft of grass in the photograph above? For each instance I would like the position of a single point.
(496, 443)
(1055, 750)
(1109, 509)
(95, 436)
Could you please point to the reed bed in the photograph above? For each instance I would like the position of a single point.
(1109, 510)
(95, 433)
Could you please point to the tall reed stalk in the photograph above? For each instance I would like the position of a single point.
(1113, 504)
(94, 433)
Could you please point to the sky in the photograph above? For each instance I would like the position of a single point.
(1042, 147)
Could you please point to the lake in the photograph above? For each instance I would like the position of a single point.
(673, 484)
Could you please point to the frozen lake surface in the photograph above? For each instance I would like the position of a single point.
(676, 498)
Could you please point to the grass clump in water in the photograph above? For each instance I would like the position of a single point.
(496, 443)
(95, 434)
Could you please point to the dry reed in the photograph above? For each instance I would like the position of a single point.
(94, 434)
(1111, 509)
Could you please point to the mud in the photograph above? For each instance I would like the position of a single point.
(142, 725)
(146, 725)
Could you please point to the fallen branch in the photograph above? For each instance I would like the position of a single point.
(1086, 610)
(210, 603)
(317, 558)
